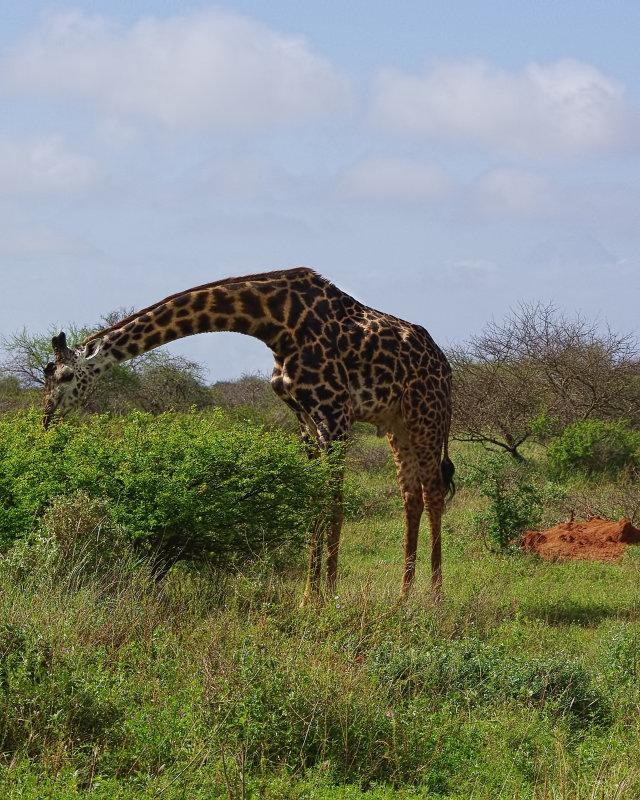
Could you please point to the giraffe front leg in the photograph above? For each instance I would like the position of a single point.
(336, 455)
(333, 540)
(316, 546)
(314, 571)
(330, 435)
(333, 529)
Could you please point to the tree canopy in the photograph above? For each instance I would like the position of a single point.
(538, 371)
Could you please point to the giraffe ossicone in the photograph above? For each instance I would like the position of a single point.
(336, 361)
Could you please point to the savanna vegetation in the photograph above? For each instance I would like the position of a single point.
(152, 558)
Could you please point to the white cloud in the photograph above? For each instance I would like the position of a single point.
(519, 195)
(395, 179)
(43, 166)
(563, 109)
(509, 193)
(469, 273)
(195, 72)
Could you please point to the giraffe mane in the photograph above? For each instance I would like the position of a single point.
(259, 276)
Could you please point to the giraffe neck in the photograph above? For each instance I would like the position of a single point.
(256, 306)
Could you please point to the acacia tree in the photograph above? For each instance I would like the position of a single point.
(492, 404)
(537, 372)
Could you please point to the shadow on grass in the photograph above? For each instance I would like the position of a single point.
(571, 612)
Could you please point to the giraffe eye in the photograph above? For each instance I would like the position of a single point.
(66, 376)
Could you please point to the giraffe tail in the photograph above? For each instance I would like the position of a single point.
(447, 469)
(446, 465)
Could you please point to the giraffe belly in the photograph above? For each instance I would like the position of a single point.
(379, 405)
(383, 419)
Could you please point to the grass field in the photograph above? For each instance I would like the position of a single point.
(522, 683)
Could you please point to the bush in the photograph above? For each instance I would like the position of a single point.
(179, 486)
(515, 501)
(593, 447)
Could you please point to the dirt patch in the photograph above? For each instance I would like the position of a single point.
(594, 540)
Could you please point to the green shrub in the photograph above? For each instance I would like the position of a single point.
(179, 486)
(593, 447)
(515, 501)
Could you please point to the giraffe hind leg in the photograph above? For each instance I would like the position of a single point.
(422, 480)
(407, 470)
(413, 508)
(434, 502)
(435, 479)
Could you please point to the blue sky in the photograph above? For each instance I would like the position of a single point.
(440, 161)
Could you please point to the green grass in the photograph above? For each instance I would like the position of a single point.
(523, 683)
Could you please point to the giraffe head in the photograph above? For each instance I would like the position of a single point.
(68, 378)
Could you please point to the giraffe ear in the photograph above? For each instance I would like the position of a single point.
(92, 348)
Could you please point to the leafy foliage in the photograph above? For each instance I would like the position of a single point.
(594, 447)
(181, 487)
(515, 500)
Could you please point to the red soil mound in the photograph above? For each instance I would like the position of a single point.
(595, 540)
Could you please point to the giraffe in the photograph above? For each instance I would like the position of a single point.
(336, 362)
